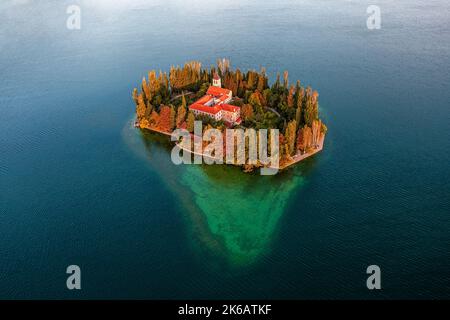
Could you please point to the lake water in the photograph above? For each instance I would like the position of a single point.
(79, 185)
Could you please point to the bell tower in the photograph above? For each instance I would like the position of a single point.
(216, 81)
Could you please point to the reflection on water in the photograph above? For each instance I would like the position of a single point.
(232, 214)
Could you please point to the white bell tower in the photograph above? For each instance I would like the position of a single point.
(216, 81)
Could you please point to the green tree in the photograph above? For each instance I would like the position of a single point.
(286, 79)
(183, 101)
(290, 136)
(190, 122)
(181, 115)
(251, 80)
(298, 116)
(254, 99)
(261, 81)
(276, 84)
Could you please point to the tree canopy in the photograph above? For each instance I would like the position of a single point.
(162, 102)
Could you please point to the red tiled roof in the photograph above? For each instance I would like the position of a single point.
(216, 91)
(229, 108)
(216, 76)
(203, 99)
(203, 108)
(230, 124)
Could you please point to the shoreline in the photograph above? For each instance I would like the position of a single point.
(300, 157)
(294, 159)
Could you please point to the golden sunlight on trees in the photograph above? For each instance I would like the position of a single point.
(172, 117)
(162, 103)
(183, 77)
(246, 112)
(190, 122)
(290, 136)
(181, 116)
(164, 119)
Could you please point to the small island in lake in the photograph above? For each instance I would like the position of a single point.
(222, 98)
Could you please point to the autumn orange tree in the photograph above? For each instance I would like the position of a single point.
(246, 112)
(292, 108)
(164, 123)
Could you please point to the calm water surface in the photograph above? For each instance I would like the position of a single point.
(79, 185)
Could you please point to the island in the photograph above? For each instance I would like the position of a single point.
(223, 98)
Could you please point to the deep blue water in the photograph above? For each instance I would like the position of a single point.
(72, 191)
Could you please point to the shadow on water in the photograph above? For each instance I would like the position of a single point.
(232, 216)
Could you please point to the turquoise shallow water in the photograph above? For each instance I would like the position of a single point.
(232, 215)
(78, 185)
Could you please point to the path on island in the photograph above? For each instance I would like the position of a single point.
(274, 111)
(180, 95)
(299, 157)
